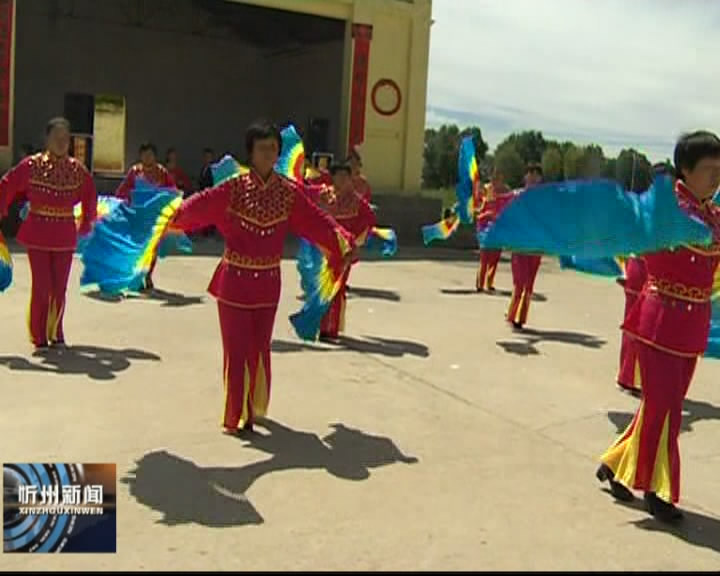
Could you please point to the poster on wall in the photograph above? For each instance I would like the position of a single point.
(109, 134)
(6, 42)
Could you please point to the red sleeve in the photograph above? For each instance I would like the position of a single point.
(127, 185)
(365, 221)
(88, 199)
(308, 221)
(184, 181)
(14, 185)
(205, 208)
(367, 193)
(313, 190)
(169, 180)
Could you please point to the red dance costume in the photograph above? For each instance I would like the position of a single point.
(255, 217)
(362, 187)
(491, 199)
(635, 276)
(52, 186)
(155, 174)
(354, 215)
(524, 271)
(669, 323)
(181, 179)
(318, 176)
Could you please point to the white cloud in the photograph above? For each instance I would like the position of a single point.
(617, 72)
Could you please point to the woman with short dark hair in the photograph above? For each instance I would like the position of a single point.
(182, 180)
(254, 212)
(669, 323)
(150, 170)
(52, 182)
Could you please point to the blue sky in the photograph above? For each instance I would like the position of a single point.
(620, 73)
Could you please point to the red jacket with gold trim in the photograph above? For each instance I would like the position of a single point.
(673, 310)
(347, 208)
(255, 217)
(490, 200)
(52, 186)
(155, 174)
(635, 275)
(362, 187)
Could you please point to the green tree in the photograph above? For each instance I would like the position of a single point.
(552, 164)
(592, 163)
(440, 154)
(529, 144)
(481, 147)
(430, 175)
(633, 170)
(572, 162)
(486, 166)
(511, 164)
(610, 170)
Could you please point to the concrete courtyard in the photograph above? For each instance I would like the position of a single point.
(432, 437)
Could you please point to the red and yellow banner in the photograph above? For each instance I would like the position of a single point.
(6, 43)
(362, 34)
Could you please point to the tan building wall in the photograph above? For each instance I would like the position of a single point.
(399, 51)
(398, 57)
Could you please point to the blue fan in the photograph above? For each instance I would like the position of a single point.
(594, 219)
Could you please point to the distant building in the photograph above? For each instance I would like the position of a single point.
(194, 73)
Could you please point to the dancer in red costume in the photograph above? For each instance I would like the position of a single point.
(354, 214)
(178, 175)
(362, 186)
(635, 275)
(669, 324)
(153, 172)
(524, 267)
(629, 376)
(254, 212)
(52, 182)
(491, 199)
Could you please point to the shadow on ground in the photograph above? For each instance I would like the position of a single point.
(693, 411)
(170, 299)
(536, 297)
(94, 362)
(373, 293)
(184, 492)
(695, 529)
(525, 343)
(368, 345)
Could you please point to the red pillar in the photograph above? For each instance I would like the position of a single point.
(362, 35)
(6, 46)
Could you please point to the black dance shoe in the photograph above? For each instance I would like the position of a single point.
(663, 511)
(620, 492)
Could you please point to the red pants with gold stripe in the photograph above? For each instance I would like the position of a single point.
(334, 320)
(628, 376)
(524, 271)
(489, 260)
(50, 273)
(246, 335)
(647, 457)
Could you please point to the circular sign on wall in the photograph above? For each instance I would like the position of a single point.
(386, 97)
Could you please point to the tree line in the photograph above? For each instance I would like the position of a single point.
(559, 160)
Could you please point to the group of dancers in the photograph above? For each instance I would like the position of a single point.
(668, 235)
(254, 210)
(668, 240)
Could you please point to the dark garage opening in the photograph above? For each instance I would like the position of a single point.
(191, 73)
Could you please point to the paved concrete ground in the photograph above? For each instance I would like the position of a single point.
(433, 438)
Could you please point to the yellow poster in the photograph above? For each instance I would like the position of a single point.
(109, 134)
